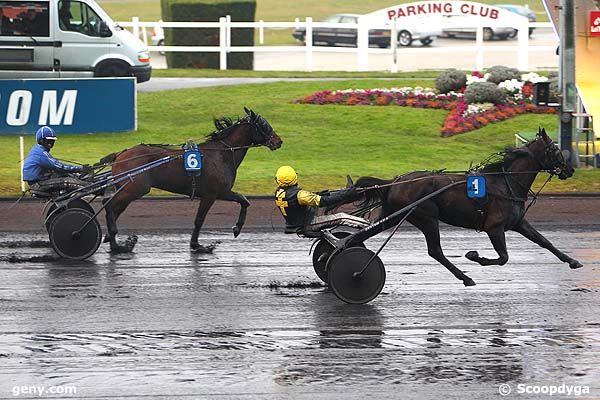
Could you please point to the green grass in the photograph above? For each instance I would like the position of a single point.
(283, 11)
(324, 143)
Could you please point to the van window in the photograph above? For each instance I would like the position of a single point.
(76, 16)
(24, 18)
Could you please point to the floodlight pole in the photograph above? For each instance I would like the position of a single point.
(568, 90)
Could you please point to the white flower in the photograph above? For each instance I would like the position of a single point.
(533, 78)
(477, 108)
(474, 78)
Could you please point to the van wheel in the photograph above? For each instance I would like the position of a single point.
(113, 69)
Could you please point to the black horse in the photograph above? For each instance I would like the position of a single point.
(508, 183)
(223, 153)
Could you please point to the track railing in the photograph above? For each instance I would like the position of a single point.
(523, 48)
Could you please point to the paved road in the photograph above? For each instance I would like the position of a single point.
(159, 84)
(253, 321)
(412, 58)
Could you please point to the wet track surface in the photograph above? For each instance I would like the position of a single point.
(252, 320)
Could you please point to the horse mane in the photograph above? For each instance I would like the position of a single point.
(501, 161)
(222, 127)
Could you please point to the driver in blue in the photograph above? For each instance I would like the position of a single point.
(45, 173)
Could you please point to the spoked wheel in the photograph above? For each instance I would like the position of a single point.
(347, 281)
(75, 203)
(323, 251)
(68, 238)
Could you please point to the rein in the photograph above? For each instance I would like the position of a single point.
(398, 182)
(165, 147)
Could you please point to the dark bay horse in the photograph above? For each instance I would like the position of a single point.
(223, 153)
(508, 183)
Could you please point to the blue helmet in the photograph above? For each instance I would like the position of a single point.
(45, 132)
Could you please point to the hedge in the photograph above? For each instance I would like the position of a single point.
(208, 11)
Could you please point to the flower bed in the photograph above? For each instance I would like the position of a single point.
(463, 117)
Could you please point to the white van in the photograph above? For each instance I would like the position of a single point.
(68, 39)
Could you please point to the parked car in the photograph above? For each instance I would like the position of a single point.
(458, 25)
(524, 11)
(158, 36)
(377, 37)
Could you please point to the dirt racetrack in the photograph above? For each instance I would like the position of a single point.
(178, 213)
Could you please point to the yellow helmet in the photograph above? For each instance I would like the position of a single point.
(286, 176)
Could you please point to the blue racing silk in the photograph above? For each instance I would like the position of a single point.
(40, 163)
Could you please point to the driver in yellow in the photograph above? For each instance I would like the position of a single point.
(299, 207)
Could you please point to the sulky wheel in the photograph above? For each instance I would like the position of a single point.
(348, 283)
(75, 203)
(323, 250)
(68, 238)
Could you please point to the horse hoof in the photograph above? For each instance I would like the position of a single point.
(236, 231)
(127, 247)
(469, 282)
(575, 264)
(106, 239)
(130, 243)
(472, 255)
(198, 249)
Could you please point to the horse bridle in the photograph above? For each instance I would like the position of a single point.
(257, 129)
(550, 151)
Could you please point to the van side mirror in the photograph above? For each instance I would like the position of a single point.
(104, 30)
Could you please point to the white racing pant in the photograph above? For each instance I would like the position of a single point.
(340, 219)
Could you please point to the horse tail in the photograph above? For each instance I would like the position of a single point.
(111, 158)
(108, 158)
(376, 190)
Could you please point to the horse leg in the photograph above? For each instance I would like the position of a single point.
(244, 204)
(498, 240)
(525, 229)
(111, 223)
(114, 208)
(205, 205)
(112, 214)
(431, 230)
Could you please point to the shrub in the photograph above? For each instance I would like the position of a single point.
(484, 92)
(208, 11)
(500, 73)
(451, 80)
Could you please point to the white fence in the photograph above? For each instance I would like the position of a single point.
(522, 47)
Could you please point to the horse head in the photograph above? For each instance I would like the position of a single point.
(263, 132)
(549, 156)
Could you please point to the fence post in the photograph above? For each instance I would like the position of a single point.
(261, 32)
(362, 44)
(135, 21)
(523, 39)
(309, 44)
(394, 45)
(479, 48)
(228, 35)
(22, 152)
(222, 43)
(297, 22)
